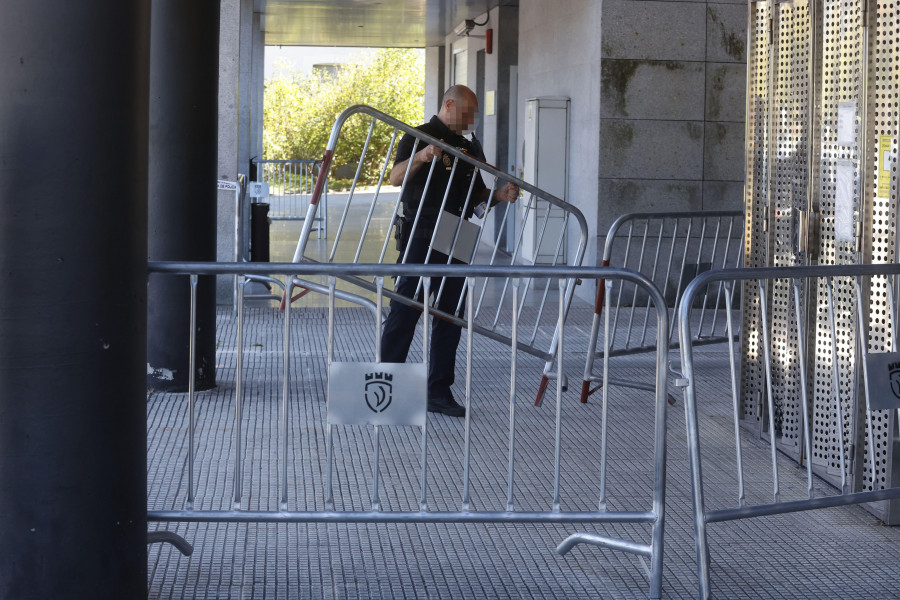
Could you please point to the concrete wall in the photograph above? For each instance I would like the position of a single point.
(657, 91)
(241, 54)
(559, 55)
(672, 107)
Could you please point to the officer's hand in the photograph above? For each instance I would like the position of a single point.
(428, 154)
(508, 193)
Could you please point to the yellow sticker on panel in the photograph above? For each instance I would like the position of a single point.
(885, 164)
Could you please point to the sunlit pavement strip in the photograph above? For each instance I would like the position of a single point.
(834, 553)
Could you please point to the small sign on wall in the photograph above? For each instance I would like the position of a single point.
(884, 380)
(377, 393)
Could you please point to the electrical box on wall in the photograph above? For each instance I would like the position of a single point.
(545, 157)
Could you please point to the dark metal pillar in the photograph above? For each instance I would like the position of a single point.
(182, 194)
(73, 220)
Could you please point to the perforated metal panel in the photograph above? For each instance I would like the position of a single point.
(777, 192)
(881, 188)
(793, 39)
(757, 200)
(842, 78)
(823, 103)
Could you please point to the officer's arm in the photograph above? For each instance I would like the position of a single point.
(423, 156)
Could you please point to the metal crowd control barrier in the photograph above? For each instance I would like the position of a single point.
(670, 249)
(460, 239)
(841, 418)
(324, 508)
(291, 184)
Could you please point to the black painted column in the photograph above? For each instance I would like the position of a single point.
(73, 216)
(184, 75)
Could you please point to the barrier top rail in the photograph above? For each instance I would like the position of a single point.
(451, 150)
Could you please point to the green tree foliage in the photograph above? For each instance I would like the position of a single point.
(299, 111)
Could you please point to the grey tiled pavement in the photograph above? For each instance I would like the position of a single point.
(833, 553)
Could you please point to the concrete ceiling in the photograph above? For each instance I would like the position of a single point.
(367, 23)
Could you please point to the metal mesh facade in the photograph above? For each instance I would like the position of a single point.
(822, 141)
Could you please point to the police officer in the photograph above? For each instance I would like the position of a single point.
(458, 108)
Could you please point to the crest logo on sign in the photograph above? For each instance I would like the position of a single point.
(379, 391)
(894, 371)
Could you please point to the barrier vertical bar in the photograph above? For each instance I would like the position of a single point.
(735, 400)
(470, 286)
(604, 415)
(426, 339)
(285, 388)
(770, 400)
(376, 457)
(804, 390)
(559, 380)
(329, 428)
(192, 367)
(238, 392)
(864, 353)
(836, 382)
(512, 395)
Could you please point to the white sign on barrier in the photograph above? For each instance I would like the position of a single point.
(377, 393)
(884, 380)
(258, 189)
(465, 240)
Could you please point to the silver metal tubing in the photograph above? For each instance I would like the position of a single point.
(251, 516)
(329, 428)
(864, 351)
(480, 232)
(770, 396)
(426, 344)
(365, 229)
(238, 393)
(604, 418)
(622, 283)
(836, 383)
(285, 394)
(376, 456)
(652, 278)
(735, 400)
(678, 290)
(512, 397)
(415, 225)
(192, 367)
(543, 302)
(559, 382)
(339, 294)
(437, 223)
(484, 287)
(804, 389)
(467, 437)
(530, 208)
(732, 514)
(634, 294)
(456, 231)
(596, 540)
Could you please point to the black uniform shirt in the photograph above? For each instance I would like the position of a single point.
(415, 184)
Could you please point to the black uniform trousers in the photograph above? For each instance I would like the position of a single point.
(400, 325)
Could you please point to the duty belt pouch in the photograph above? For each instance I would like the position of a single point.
(401, 233)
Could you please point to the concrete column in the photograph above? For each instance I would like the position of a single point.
(435, 67)
(182, 190)
(73, 223)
